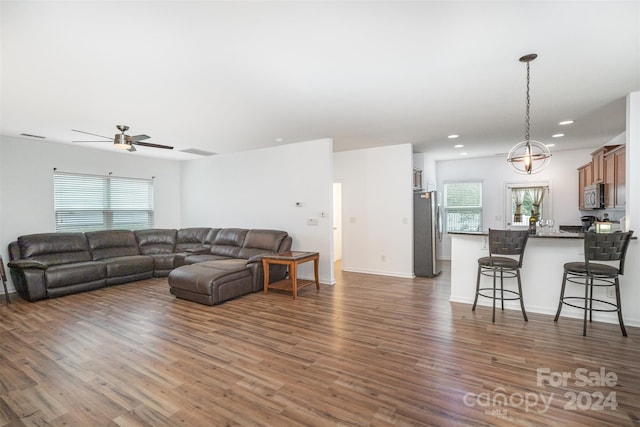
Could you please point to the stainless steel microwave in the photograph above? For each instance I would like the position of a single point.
(594, 196)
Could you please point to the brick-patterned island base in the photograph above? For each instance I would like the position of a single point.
(291, 259)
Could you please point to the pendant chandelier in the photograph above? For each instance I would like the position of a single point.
(529, 156)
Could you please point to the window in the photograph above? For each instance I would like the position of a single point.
(92, 202)
(523, 200)
(463, 206)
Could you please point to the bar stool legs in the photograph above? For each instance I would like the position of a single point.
(588, 283)
(524, 313)
(502, 242)
(494, 290)
(624, 330)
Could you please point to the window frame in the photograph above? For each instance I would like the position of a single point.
(448, 209)
(546, 208)
(87, 202)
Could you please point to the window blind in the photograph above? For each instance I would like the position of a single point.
(92, 202)
(463, 206)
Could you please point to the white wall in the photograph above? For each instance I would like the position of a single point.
(377, 214)
(260, 188)
(495, 172)
(26, 183)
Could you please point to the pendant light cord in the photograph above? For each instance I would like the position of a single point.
(528, 157)
(526, 133)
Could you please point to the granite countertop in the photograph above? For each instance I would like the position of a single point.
(554, 235)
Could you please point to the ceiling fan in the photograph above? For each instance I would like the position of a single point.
(124, 141)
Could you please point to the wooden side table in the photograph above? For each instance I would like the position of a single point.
(291, 259)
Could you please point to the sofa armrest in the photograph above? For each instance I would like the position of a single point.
(30, 283)
(201, 250)
(27, 263)
(256, 258)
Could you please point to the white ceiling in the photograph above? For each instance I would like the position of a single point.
(233, 76)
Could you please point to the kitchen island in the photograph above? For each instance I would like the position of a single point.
(542, 270)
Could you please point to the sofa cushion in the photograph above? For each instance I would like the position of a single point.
(228, 242)
(229, 264)
(259, 242)
(55, 248)
(190, 237)
(197, 258)
(156, 241)
(208, 284)
(128, 265)
(112, 243)
(72, 274)
(163, 264)
(211, 236)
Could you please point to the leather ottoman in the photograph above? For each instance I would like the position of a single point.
(210, 283)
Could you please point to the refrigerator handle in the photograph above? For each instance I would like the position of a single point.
(439, 222)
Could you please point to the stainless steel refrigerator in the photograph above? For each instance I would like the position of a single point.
(427, 233)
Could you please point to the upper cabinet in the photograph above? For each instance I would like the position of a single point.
(607, 166)
(597, 162)
(585, 178)
(615, 178)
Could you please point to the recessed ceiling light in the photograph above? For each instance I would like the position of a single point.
(550, 145)
(463, 154)
(557, 135)
(458, 146)
(565, 122)
(453, 136)
(279, 139)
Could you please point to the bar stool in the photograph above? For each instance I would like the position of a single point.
(502, 242)
(597, 247)
(3, 277)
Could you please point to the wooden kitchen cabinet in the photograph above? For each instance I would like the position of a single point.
(585, 178)
(621, 178)
(609, 181)
(598, 165)
(606, 167)
(615, 178)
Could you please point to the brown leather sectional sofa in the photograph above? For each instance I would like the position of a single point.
(50, 265)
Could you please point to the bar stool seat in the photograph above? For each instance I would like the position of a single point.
(596, 269)
(502, 242)
(501, 262)
(597, 247)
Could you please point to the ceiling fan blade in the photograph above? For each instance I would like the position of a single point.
(132, 149)
(90, 141)
(140, 137)
(148, 144)
(89, 133)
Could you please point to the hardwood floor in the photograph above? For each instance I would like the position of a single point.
(370, 350)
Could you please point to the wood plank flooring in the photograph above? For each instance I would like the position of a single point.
(369, 351)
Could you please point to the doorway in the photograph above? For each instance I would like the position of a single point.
(337, 221)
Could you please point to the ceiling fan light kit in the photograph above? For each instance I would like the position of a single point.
(529, 156)
(120, 141)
